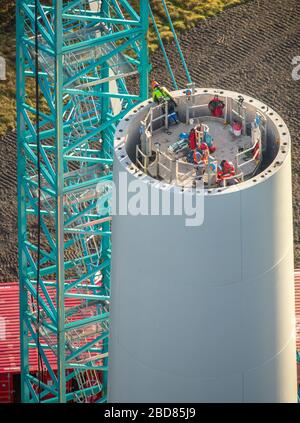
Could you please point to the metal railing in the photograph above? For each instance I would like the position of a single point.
(194, 107)
(225, 180)
(263, 128)
(255, 151)
(202, 106)
(156, 117)
(184, 175)
(164, 166)
(239, 111)
(142, 159)
(148, 124)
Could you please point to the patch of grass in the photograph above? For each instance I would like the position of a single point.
(185, 14)
(7, 87)
(8, 51)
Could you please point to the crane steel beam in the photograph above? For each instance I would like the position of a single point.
(87, 51)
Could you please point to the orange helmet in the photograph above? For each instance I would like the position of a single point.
(155, 84)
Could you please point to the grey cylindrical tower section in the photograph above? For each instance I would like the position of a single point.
(206, 314)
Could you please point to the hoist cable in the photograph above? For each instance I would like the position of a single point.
(163, 49)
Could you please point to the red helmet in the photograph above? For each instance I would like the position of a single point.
(204, 146)
(155, 84)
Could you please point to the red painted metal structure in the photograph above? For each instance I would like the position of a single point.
(297, 293)
(9, 332)
(10, 343)
(10, 340)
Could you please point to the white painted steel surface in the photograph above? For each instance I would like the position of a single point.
(206, 314)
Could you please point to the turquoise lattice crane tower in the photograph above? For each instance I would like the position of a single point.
(85, 55)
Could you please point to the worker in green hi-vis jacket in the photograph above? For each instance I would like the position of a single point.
(161, 94)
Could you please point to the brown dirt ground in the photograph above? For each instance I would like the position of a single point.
(248, 48)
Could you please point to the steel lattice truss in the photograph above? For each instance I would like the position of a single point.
(89, 53)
